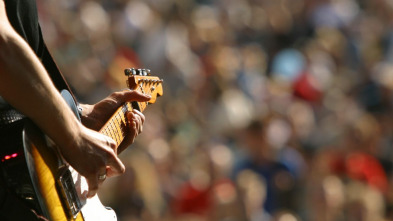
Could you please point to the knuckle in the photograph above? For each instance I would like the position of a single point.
(118, 96)
(112, 144)
(131, 115)
(130, 93)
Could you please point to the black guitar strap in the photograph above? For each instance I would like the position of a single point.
(9, 115)
(54, 71)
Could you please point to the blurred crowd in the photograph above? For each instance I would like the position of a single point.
(274, 110)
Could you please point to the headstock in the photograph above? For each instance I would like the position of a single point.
(142, 81)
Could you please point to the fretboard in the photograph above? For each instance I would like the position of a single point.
(116, 128)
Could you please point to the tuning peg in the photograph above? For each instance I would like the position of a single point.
(127, 71)
(130, 71)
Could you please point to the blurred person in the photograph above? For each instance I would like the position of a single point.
(138, 195)
(335, 169)
(208, 193)
(363, 202)
(193, 197)
(286, 216)
(361, 146)
(252, 190)
(261, 159)
(29, 88)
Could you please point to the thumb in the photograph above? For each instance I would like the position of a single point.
(132, 95)
(92, 182)
(115, 167)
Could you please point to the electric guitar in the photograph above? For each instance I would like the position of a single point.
(37, 173)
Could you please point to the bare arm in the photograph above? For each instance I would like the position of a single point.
(25, 84)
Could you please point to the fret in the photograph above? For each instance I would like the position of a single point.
(119, 119)
(118, 129)
(109, 131)
(106, 132)
(113, 132)
(122, 114)
(110, 128)
(123, 120)
(123, 125)
(114, 129)
(118, 133)
(115, 126)
(118, 125)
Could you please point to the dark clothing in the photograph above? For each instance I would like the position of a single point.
(11, 207)
(23, 17)
(269, 172)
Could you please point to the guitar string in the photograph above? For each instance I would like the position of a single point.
(118, 132)
(109, 131)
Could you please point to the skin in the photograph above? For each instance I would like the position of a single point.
(26, 85)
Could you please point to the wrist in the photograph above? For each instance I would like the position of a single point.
(80, 110)
(85, 111)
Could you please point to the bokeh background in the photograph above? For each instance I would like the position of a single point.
(272, 109)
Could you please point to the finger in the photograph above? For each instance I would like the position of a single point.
(111, 143)
(93, 184)
(130, 95)
(136, 122)
(142, 116)
(114, 167)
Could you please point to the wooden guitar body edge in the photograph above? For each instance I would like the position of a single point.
(42, 164)
(36, 172)
(46, 169)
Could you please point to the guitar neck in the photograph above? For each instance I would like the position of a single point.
(117, 126)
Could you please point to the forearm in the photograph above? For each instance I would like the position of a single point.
(26, 85)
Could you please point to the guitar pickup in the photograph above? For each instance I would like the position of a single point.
(69, 197)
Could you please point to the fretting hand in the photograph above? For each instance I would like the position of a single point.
(98, 157)
(95, 116)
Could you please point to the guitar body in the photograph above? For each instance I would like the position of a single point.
(35, 171)
(42, 163)
(60, 189)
